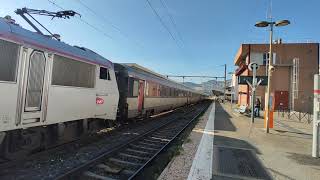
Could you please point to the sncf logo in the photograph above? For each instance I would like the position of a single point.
(99, 100)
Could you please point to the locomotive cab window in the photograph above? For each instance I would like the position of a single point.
(104, 73)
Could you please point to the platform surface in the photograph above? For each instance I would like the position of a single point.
(241, 150)
(228, 146)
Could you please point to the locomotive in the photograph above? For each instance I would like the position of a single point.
(52, 92)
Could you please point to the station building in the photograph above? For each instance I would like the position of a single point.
(292, 79)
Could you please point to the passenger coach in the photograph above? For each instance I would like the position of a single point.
(144, 92)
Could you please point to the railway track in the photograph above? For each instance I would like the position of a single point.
(129, 160)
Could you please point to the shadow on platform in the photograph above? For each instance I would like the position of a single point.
(234, 143)
(304, 159)
(236, 159)
(222, 120)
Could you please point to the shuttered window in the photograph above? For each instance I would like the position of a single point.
(8, 60)
(68, 72)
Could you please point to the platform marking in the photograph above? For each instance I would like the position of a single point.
(202, 163)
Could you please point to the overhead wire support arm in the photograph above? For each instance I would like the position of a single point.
(60, 14)
(184, 76)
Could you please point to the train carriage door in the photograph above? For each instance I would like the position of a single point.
(141, 96)
(35, 86)
(35, 81)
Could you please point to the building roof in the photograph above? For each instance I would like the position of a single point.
(17, 34)
(245, 48)
(241, 54)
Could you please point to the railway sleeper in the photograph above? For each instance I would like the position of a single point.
(154, 141)
(133, 156)
(124, 163)
(96, 176)
(110, 168)
(130, 159)
(134, 151)
(166, 131)
(160, 138)
(149, 144)
(143, 148)
(164, 134)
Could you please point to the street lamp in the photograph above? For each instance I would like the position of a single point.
(270, 24)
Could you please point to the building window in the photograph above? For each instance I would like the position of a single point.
(69, 72)
(266, 58)
(9, 59)
(104, 73)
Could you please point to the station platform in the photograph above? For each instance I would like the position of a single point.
(225, 145)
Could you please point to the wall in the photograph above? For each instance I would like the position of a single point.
(281, 77)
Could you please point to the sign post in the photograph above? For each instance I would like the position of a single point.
(253, 67)
(316, 116)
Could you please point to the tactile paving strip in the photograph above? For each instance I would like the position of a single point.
(233, 163)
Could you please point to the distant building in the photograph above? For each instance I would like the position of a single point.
(292, 79)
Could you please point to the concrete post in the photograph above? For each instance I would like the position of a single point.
(316, 116)
(267, 98)
(253, 92)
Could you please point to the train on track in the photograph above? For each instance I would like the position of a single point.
(52, 92)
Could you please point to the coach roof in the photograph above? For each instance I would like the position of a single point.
(16, 33)
(137, 71)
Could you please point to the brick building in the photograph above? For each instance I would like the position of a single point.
(292, 79)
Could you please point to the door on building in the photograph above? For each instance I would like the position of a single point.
(281, 100)
(141, 96)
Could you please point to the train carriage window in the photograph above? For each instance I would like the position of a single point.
(104, 73)
(69, 72)
(152, 89)
(133, 87)
(162, 91)
(8, 60)
(147, 89)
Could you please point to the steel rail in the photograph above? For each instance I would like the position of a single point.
(140, 170)
(74, 172)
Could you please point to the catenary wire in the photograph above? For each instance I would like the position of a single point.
(105, 20)
(85, 22)
(162, 22)
(172, 20)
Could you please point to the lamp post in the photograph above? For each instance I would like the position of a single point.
(267, 97)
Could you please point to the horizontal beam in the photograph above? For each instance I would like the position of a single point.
(184, 76)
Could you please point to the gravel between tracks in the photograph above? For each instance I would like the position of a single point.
(179, 166)
(49, 164)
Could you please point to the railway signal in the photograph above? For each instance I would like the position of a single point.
(253, 85)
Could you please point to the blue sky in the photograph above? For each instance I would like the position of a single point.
(211, 30)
